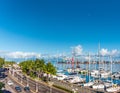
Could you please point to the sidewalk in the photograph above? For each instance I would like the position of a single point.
(8, 88)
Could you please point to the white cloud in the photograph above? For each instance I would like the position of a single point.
(19, 54)
(87, 58)
(114, 52)
(77, 50)
(105, 52)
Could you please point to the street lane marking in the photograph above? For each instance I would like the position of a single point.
(19, 82)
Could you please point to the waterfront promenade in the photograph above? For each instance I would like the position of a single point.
(38, 86)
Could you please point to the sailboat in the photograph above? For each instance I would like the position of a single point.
(99, 84)
(73, 71)
(103, 72)
(113, 88)
(90, 83)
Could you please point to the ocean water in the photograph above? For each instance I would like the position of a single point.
(115, 68)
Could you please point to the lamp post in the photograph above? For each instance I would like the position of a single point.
(27, 81)
(74, 90)
(36, 85)
(21, 78)
(50, 84)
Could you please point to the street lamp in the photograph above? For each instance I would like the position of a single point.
(50, 84)
(74, 90)
(36, 85)
(27, 81)
(21, 78)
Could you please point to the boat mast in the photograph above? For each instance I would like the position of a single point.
(99, 59)
(111, 67)
(57, 61)
(89, 65)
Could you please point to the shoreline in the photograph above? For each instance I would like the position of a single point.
(88, 63)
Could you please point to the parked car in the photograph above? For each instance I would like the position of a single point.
(24, 77)
(10, 82)
(27, 89)
(18, 89)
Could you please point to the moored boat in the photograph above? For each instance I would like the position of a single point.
(98, 86)
(113, 89)
(88, 84)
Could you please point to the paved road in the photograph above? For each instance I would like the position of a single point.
(17, 83)
(7, 88)
(11, 88)
(42, 88)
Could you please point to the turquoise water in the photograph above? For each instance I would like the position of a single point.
(115, 68)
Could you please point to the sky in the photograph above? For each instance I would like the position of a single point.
(51, 26)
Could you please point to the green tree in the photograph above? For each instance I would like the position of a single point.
(40, 66)
(50, 68)
(9, 63)
(2, 85)
(37, 68)
(2, 60)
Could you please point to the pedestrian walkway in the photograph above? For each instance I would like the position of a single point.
(8, 89)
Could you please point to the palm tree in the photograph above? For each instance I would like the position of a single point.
(40, 64)
(2, 85)
(50, 70)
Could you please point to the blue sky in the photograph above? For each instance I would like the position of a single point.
(45, 26)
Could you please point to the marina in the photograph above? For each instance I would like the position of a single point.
(103, 76)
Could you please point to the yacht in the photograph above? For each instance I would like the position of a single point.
(75, 79)
(61, 76)
(88, 84)
(94, 73)
(108, 83)
(70, 70)
(105, 74)
(116, 75)
(98, 86)
(113, 89)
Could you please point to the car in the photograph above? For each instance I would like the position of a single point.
(10, 82)
(27, 89)
(24, 77)
(18, 89)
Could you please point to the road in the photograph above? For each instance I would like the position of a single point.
(16, 79)
(42, 87)
(11, 88)
(16, 83)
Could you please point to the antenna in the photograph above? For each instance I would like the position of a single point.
(89, 65)
(99, 59)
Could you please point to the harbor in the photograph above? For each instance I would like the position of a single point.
(92, 75)
(59, 46)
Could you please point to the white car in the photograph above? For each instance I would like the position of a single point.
(10, 82)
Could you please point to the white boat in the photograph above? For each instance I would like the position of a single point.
(105, 74)
(98, 86)
(108, 83)
(94, 72)
(88, 84)
(116, 75)
(113, 89)
(69, 70)
(61, 76)
(75, 79)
